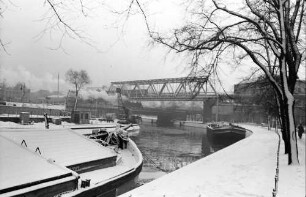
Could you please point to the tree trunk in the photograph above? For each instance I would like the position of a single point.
(286, 82)
(75, 104)
(76, 100)
(293, 155)
(288, 128)
(284, 125)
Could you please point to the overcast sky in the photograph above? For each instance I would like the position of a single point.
(118, 54)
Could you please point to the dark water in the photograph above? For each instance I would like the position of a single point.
(167, 149)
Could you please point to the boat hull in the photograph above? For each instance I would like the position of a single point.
(119, 184)
(225, 135)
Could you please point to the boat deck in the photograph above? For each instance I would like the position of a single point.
(22, 170)
(102, 181)
(64, 146)
(134, 130)
(67, 148)
(125, 163)
(92, 126)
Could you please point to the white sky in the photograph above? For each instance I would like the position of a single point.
(124, 52)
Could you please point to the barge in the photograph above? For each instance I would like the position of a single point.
(221, 134)
(62, 162)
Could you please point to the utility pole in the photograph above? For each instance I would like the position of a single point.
(57, 86)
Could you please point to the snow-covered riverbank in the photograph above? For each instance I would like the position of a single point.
(36, 105)
(246, 168)
(37, 125)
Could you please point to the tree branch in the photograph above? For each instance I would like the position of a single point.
(3, 46)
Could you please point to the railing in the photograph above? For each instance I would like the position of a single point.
(276, 178)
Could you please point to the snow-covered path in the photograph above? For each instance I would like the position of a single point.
(292, 178)
(246, 168)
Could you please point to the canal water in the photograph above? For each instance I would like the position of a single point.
(166, 149)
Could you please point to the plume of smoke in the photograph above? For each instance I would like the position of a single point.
(100, 92)
(184, 105)
(46, 81)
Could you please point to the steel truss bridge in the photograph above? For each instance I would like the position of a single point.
(170, 89)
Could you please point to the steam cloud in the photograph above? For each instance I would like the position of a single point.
(46, 81)
(99, 92)
(173, 104)
(49, 81)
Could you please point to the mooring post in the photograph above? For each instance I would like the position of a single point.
(274, 193)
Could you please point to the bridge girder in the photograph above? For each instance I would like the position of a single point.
(169, 89)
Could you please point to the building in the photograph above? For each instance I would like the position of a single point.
(96, 107)
(300, 102)
(255, 101)
(18, 93)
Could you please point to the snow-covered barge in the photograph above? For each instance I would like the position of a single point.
(225, 133)
(56, 162)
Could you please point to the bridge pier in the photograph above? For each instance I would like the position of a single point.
(166, 118)
(207, 109)
(203, 112)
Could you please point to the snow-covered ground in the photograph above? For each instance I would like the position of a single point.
(35, 105)
(246, 168)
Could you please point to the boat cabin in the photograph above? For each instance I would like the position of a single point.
(80, 117)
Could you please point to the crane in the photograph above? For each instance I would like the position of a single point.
(123, 113)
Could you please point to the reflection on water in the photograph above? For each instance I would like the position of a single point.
(167, 149)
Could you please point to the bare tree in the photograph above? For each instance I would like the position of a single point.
(3, 7)
(266, 32)
(59, 21)
(259, 93)
(78, 79)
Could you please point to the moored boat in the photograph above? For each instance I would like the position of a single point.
(133, 129)
(225, 128)
(93, 169)
(220, 133)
